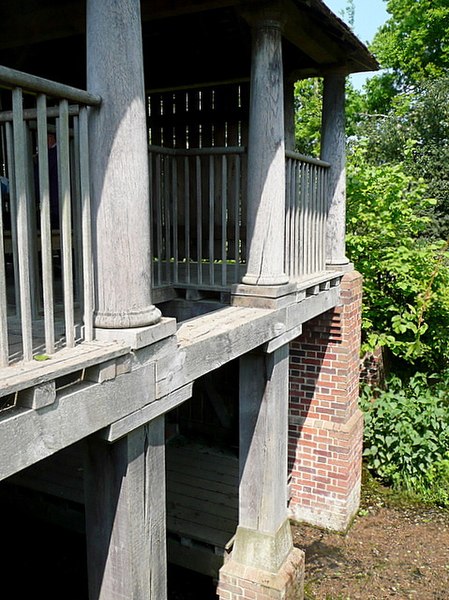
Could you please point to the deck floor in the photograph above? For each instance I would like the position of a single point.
(202, 498)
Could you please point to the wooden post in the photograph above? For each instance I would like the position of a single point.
(125, 516)
(263, 538)
(266, 159)
(119, 166)
(333, 151)
(289, 113)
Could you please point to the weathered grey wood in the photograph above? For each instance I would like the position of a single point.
(266, 159)
(3, 299)
(125, 516)
(283, 339)
(81, 410)
(65, 207)
(333, 150)
(289, 113)
(22, 225)
(45, 228)
(38, 396)
(207, 342)
(263, 538)
(119, 173)
(120, 428)
(263, 440)
(198, 559)
(88, 291)
(45, 86)
(18, 376)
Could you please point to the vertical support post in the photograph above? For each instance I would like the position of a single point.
(333, 151)
(263, 439)
(119, 167)
(264, 562)
(266, 158)
(289, 113)
(125, 516)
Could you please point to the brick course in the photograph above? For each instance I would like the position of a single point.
(238, 582)
(325, 423)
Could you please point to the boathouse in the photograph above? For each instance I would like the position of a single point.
(179, 322)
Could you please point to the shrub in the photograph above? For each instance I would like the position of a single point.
(406, 275)
(406, 439)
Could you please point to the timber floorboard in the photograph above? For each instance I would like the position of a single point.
(202, 498)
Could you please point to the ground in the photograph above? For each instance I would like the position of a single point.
(394, 549)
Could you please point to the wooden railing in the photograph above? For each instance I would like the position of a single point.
(198, 201)
(198, 214)
(46, 283)
(306, 216)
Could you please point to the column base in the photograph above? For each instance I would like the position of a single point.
(138, 337)
(239, 582)
(263, 296)
(257, 279)
(144, 317)
(340, 265)
(263, 550)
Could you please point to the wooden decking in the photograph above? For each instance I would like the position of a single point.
(202, 506)
(202, 498)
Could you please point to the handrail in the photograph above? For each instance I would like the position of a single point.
(209, 151)
(39, 85)
(307, 159)
(47, 190)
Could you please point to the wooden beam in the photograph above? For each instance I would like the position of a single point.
(76, 413)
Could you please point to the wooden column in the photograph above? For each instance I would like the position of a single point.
(263, 538)
(266, 159)
(333, 151)
(119, 166)
(289, 113)
(125, 516)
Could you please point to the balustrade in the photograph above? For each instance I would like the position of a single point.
(46, 285)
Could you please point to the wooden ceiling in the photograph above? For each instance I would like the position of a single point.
(186, 42)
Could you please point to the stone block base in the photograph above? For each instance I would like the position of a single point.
(239, 582)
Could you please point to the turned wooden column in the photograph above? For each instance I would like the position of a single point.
(333, 151)
(289, 114)
(119, 166)
(266, 159)
(263, 538)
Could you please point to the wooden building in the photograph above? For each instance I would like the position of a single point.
(185, 265)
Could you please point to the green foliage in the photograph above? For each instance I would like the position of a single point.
(414, 42)
(308, 107)
(406, 436)
(406, 277)
(415, 131)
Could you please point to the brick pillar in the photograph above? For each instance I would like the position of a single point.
(325, 423)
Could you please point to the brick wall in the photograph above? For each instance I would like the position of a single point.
(238, 582)
(325, 424)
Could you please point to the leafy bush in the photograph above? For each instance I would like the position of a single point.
(406, 275)
(406, 439)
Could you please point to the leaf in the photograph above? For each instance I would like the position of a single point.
(41, 357)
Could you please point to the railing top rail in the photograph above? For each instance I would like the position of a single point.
(306, 159)
(32, 83)
(195, 151)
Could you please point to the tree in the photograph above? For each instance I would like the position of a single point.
(414, 42)
(406, 276)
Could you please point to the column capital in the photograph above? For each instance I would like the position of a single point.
(265, 16)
